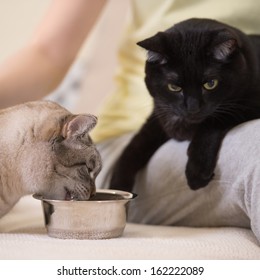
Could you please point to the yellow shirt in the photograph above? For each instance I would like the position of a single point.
(129, 105)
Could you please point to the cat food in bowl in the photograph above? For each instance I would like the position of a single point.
(103, 216)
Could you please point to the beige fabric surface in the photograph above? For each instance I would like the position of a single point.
(23, 236)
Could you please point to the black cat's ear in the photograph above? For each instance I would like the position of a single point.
(155, 57)
(154, 43)
(155, 47)
(78, 125)
(223, 50)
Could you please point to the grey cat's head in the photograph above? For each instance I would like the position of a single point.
(46, 150)
(77, 160)
(59, 159)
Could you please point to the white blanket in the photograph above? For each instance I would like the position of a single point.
(23, 236)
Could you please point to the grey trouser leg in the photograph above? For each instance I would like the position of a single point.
(231, 199)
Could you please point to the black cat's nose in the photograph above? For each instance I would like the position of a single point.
(193, 105)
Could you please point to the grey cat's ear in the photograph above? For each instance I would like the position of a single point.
(78, 125)
(155, 47)
(223, 50)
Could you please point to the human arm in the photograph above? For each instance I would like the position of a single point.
(40, 66)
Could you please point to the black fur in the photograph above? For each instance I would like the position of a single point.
(188, 55)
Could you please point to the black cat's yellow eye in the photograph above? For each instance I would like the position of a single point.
(210, 85)
(174, 88)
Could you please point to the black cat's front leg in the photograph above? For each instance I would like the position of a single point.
(202, 156)
(137, 153)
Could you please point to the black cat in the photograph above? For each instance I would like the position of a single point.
(204, 78)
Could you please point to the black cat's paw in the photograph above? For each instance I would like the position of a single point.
(121, 182)
(197, 176)
(198, 182)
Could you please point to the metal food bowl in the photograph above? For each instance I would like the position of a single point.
(101, 217)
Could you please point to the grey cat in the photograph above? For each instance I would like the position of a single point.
(46, 150)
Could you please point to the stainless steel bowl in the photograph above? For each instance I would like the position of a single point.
(104, 216)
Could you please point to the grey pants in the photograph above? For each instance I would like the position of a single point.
(231, 199)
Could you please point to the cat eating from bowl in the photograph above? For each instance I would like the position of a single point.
(45, 149)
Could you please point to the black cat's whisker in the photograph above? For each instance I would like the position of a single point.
(224, 114)
(236, 111)
(162, 113)
(165, 108)
(237, 104)
(224, 111)
(219, 117)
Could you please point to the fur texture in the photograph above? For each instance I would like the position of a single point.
(203, 76)
(46, 150)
